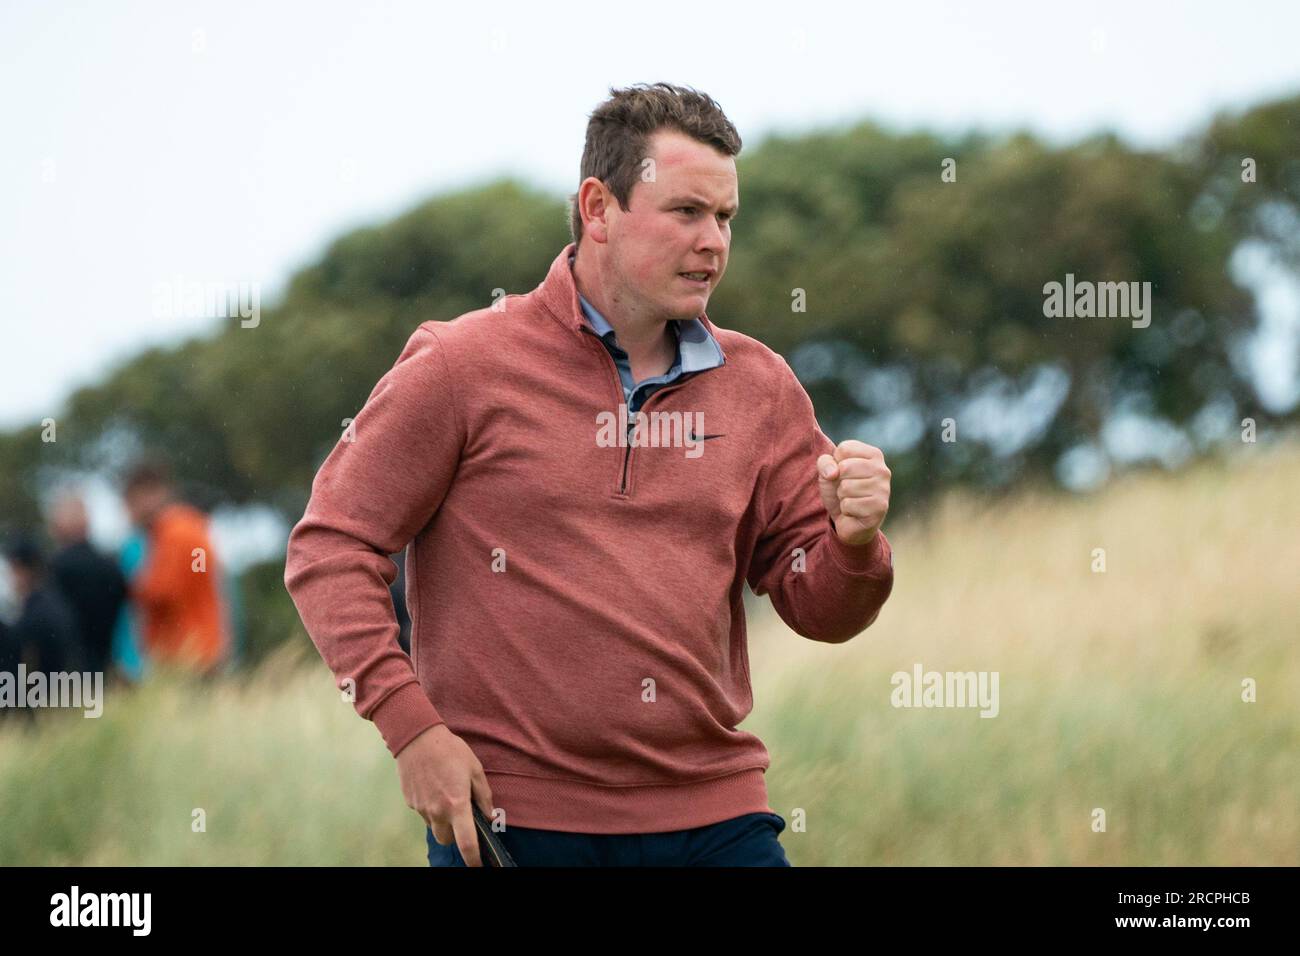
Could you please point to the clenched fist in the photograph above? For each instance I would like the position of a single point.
(854, 484)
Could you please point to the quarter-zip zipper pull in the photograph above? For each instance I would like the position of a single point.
(631, 425)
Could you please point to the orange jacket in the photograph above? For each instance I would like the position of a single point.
(178, 591)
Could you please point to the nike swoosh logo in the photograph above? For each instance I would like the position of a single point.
(693, 437)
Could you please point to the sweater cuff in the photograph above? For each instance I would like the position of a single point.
(403, 715)
(874, 558)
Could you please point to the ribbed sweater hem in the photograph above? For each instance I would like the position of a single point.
(548, 803)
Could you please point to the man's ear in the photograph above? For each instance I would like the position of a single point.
(594, 199)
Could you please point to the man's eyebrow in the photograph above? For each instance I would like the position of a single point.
(697, 201)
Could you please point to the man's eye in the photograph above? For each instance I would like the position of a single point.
(685, 208)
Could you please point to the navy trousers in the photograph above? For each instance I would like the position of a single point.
(747, 840)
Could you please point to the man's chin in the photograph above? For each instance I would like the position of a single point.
(690, 307)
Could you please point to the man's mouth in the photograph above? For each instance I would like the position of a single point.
(699, 278)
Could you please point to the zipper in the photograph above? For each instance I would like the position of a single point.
(618, 387)
(618, 384)
(667, 388)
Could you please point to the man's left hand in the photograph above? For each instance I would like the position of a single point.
(854, 485)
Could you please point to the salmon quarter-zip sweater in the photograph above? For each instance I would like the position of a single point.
(577, 612)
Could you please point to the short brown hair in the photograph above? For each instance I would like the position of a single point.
(150, 471)
(620, 128)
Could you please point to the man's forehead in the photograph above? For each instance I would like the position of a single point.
(673, 150)
(684, 165)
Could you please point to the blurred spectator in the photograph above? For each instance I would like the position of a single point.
(9, 657)
(178, 589)
(398, 592)
(91, 581)
(128, 642)
(45, 636)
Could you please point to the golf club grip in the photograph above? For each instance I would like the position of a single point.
(491, 849)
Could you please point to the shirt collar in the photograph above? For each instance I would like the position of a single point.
(696, 346)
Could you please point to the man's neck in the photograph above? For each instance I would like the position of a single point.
(647, 340)
(152, 521)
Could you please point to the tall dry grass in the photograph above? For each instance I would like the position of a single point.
(1119, 690)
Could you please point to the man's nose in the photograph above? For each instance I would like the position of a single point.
(711, 238)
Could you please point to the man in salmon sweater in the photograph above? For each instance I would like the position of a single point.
(178, 589)
(588, 475)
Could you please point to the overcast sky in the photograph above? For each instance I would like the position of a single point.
(229, 142)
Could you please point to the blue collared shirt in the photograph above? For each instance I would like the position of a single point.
(697, 349)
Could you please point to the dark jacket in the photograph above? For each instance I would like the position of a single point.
(94, 586)
(45, 635)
